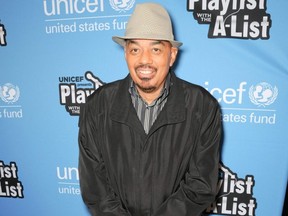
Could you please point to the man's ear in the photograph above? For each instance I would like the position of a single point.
(174, 52)
(125, 51)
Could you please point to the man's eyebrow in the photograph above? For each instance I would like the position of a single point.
(156, 42)
(130, 41)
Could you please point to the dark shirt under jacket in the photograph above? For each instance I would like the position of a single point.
(147, 113)
(171, 171)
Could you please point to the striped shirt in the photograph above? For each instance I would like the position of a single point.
(148, 113)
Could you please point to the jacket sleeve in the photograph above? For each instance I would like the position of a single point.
(96, 191)
(199, 187)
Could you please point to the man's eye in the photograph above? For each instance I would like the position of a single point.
(134, 50)
(156, 50)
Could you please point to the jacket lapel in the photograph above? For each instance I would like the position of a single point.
(174, 110)
(122, 110)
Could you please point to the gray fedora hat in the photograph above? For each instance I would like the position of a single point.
(149, 21)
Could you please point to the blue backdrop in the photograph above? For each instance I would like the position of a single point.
(54, 53)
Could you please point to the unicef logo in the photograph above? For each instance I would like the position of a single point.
(263, 94)
(9, 93)
(122, 5)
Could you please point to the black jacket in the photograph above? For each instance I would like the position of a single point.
(172, 171)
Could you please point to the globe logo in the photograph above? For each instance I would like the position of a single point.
(9, 93)
(122, 5)
(263, 94)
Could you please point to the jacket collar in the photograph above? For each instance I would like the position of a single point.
(173, 112)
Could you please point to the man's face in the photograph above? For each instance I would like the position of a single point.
(149, 62)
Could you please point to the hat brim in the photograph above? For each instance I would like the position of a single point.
(122, 40)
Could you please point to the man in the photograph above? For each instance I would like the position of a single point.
(149, 144)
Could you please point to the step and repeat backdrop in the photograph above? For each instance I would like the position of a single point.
(55, 53)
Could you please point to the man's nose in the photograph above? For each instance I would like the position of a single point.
(146, 57)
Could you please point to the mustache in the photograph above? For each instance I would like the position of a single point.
(145, 66)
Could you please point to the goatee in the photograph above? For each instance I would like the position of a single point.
(147, 89)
